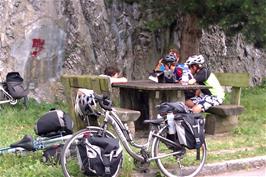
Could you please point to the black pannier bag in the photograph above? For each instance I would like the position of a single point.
(14, 84)
(53, 123)
(174, 107)
(100, 156)
(190, 130)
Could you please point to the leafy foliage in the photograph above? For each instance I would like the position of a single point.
(234, 16)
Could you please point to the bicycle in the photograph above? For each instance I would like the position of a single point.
(28, 144)
(11, 90)
(5, 97)
(171, 158)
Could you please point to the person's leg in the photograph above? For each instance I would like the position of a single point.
(202, 104)
(197, 108)
(195, 104)
(205, 103)
(189, 103)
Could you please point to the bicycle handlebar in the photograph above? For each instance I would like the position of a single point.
(104, 101)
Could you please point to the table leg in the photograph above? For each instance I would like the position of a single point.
(125, 98)
(153, 99)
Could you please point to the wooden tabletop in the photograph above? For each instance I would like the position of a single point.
(150, 85)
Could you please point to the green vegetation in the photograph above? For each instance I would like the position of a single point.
(15, 122)
(234, 16)
(247, 140)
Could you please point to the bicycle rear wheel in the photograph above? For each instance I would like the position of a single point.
(178, 162)
(70, 159)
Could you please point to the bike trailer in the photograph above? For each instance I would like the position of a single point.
(54, 122)
(100, 156)
(190, 130)
(14, 84)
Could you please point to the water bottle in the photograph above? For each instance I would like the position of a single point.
(185, 75)
(171, 123)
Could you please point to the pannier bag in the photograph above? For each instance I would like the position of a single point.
(174, 107)
(190, 130)
(53, 123)
(15, 85)
(100, 156)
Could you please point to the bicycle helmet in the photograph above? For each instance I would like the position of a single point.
(169, 59)
(195, 59)
(85, 104)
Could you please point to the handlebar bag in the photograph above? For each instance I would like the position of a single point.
(100, 156)
(14, 84)
(54, 122)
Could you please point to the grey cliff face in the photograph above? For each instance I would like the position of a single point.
(44, 39)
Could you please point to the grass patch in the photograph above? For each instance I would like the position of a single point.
(250, 134)
(247, 140)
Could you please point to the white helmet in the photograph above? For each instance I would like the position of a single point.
(195, 59)
(85, 104)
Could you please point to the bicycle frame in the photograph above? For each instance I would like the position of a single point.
(38, 144)
(7, 98)
(125, 138)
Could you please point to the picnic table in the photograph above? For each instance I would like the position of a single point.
(144, 95)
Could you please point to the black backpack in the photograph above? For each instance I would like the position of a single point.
(14, 84)
(53, 123)
(100, 156)
(190, 130)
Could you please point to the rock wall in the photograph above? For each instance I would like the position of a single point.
(43, 39)
(232, 54)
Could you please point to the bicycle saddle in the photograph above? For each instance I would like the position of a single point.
(154, 121)
(25, 142)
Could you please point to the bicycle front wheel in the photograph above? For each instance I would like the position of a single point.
(174, 162)
(70, 158)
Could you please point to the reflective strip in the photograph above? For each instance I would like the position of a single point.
(60, 115)
(181, 133)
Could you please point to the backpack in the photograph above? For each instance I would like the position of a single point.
(165, 76)
(169, 76)
(100, 156)
(53, 123)
(178, 72)
(190, 130)
(14, 84)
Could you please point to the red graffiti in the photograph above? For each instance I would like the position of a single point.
(37, 46)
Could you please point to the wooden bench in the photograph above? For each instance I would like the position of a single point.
(224, 118)
(100, 85)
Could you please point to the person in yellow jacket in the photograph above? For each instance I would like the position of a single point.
(204, 99)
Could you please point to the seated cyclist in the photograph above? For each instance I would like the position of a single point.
(164, 70)
(169, 61)
(204, 99)
(114, 74)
